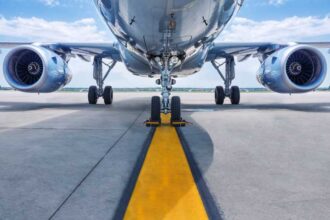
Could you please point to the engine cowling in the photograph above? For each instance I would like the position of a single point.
(35, 69)
(296, 69)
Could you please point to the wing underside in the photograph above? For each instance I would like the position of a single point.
(82, 50)
(245, 50)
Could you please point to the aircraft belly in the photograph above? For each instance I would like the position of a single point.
(147, 28)
(146, 22)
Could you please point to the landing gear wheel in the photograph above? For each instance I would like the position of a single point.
(108, 95)
(155, 109)
(176, 109)
(92, 95)
(219, 95)
(235, 95)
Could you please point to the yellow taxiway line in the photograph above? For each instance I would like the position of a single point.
(165, 188)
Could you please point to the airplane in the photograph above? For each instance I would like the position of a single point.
(166, 39)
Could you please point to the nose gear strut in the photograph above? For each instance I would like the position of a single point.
(166, 67)
(166, 104)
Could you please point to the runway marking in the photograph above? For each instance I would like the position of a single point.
(165, 188)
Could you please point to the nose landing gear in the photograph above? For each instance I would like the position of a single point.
(175, 115)
(165, 104)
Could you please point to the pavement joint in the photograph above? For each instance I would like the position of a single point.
(95, 166)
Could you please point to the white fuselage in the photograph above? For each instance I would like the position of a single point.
(146, 29)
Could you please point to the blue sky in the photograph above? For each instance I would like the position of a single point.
(77, 20)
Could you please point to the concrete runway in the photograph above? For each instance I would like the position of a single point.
(60, 158)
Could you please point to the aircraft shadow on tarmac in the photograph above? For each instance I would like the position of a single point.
(31, 106)
(199, 149)
(302, 107)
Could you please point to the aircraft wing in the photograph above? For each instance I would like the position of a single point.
(246, 50)
(82, 50)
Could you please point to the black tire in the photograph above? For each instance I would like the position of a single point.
(92, 95)
(235, 95)
(108, 95)
(219, 95)
(155, 109)
(176, 109)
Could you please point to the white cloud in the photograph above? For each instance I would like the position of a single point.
(63, 3)
(276, 2)
(50, 2)
(286, 30)
(242, 30)
(41, 30)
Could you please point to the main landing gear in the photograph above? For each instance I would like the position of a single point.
(96, 92)
(232, 92)
(165, 104)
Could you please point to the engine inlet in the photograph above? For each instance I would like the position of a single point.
(302, 67)
(28, 67)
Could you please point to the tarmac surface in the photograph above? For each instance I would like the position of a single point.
(60, 158)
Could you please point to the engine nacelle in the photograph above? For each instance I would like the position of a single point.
(295, 69)
(35, 69)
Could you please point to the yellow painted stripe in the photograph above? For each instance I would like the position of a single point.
(165, 188)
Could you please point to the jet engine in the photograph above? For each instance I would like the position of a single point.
(35, 69)
(295, 69)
